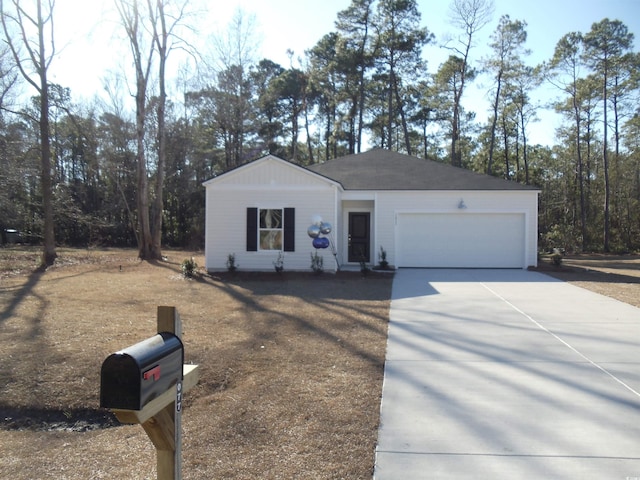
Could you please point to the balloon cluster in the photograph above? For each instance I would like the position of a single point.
(317, 229)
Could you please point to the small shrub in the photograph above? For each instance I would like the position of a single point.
(231, 262)
(317, 263)
(279, 263)
(556, 257)
(383, 259)
(364, 268)
(189, 268)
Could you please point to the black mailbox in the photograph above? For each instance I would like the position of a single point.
(133, 377)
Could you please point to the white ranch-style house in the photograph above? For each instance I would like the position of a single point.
(421, 213)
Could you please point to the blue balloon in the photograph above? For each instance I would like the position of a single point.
(320, 242)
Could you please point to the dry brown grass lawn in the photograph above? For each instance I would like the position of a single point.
(616, 276)
(291, 365)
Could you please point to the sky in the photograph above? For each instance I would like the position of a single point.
(89, 40)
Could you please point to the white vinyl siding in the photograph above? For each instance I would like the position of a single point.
(263, 185)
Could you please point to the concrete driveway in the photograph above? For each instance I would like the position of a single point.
(508, 374)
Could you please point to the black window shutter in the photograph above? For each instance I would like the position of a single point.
(289, 229)
(252, 229)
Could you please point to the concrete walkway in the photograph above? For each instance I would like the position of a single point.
(508, 374)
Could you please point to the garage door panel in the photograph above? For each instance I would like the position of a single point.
(461, 240)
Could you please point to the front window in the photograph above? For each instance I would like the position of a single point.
(270, 229)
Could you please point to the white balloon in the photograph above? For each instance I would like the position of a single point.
(316, 220)
(325, 228)
(313, 231)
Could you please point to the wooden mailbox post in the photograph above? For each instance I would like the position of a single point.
(161, 418)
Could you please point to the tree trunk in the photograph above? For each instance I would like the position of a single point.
(39, 63)
(294, 131)
(158, 203)
(306, 128)
(327, 134)
(49, 247)
(130, 16)
(145, 247)
(353, 110)
(361, 110)
(525, 154)
(494, 122)
(361, 84)
(455, 134)
(583, 210)
(405, 128)
(617, 184)
(390, 112)
(605, 160)
(505, 133)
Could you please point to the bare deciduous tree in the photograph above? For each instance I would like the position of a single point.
(142, 50)
(28, 34)
(163, 27)
(8, 77)
(151, 33)
(469, 16)
(235, 52)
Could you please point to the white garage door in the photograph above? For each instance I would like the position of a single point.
(461, 240)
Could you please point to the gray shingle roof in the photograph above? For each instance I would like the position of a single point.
(380, 169)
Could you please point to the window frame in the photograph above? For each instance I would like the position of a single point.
(288, 229)
(279, 231)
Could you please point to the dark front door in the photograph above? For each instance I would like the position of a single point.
(359, 237)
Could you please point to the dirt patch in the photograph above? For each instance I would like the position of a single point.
(49, 420)
(291, 364)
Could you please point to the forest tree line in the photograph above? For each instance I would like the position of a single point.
(111, 174)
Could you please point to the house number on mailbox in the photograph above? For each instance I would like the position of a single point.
(178, 396)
